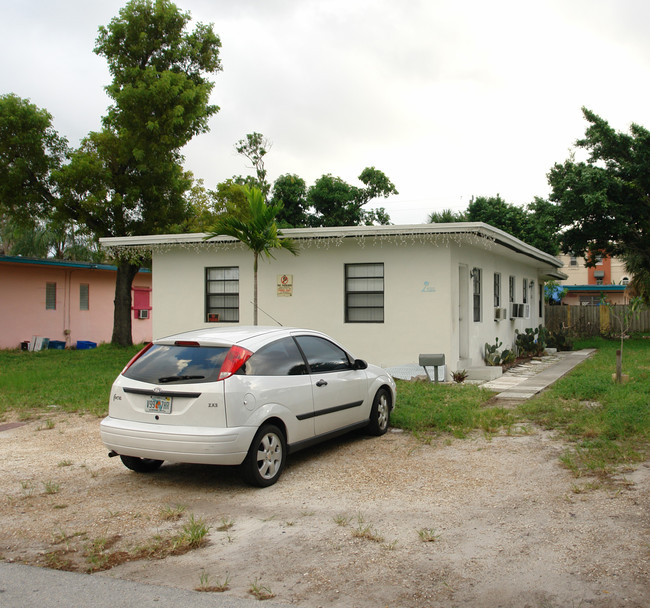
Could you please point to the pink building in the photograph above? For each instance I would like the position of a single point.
(66, 301)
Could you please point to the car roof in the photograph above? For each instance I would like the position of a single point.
(251, 337)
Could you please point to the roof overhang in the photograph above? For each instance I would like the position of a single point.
(460, 231)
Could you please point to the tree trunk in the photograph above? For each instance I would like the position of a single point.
(122, 316)
(255, 288)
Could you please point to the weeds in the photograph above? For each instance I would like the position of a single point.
(217, 587)
(225, 525)
(259, 591)
(172, 513)
(194, 533)
(366, 531)
(49, 425)
(428, 535)
(342, 520)
(51, 487)
(64, 463)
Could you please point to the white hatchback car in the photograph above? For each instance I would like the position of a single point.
(241, 396)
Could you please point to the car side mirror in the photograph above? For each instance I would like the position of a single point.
(360, 364)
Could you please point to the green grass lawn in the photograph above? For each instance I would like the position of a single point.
(606, 424)
(74, 380)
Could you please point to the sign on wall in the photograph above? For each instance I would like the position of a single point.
(285, 285)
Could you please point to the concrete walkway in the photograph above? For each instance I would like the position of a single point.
(526, 380)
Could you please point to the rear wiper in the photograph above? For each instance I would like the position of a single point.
(178, 378)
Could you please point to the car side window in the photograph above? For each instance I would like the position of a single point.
(322, 355)
(279, 358)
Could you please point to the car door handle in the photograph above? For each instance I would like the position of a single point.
(321, 383)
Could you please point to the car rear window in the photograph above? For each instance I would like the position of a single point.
(163, 364)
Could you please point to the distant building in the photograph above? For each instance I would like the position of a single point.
(587, 286)
(66, 301)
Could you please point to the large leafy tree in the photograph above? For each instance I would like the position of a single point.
(337, 203)
(533, 224)
(31, 152)
(602, 204)
(259, 232)
(127, 179)
(291, 191)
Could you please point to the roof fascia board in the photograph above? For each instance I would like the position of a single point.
(470, 228)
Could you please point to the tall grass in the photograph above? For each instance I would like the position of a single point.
(74, 380)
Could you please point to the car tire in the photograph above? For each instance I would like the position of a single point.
(265, 460)
(141, 465)
(380, 413)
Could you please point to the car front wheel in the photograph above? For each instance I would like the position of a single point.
(140, 465)
(380, 413)
(266, 457)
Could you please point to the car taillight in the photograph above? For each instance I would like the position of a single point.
(190, 343)
(134, 359)
(235, 358)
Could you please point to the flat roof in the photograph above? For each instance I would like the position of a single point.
(19, 259)
(479, 229)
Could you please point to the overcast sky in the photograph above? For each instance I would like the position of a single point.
(450, 98)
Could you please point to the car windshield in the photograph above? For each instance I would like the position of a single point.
(163, 364)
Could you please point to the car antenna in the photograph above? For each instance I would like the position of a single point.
(268, 315)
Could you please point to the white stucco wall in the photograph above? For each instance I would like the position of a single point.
(421, 307)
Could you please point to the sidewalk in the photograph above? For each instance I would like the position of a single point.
(526, 380)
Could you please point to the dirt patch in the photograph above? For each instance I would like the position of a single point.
(361, 522)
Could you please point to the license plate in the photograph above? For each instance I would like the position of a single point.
(160, 405)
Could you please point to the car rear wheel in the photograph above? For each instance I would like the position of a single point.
(380, 413)
(140, 465)
(266, 457)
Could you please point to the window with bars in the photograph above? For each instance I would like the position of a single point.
(364, 293)
(50, 296)
(497, 290)
(476, 282)
(222, 294)
(84, 293)
(511, 289)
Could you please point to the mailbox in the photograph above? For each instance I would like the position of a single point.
(435, 361)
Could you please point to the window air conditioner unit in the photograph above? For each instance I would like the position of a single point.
(143, 314)
(516, 310)
(500, 314)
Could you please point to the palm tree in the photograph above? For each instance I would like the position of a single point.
(259, 232)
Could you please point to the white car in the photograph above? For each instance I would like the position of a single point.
(241, 396)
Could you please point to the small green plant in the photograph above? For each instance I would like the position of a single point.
(366, 531)
(459, 376)
(64, 463)
(428, 535)
(194, 533)
(259, 591)
(51, 487)
(494, 357)
(342, 520)
(172, 512)
(225, 525)
(216, 587)
(48, 425)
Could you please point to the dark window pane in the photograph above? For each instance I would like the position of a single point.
(280, 358)
(322, 355)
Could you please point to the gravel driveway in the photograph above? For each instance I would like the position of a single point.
(358, 522)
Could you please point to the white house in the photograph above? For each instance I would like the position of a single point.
(389, 293)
